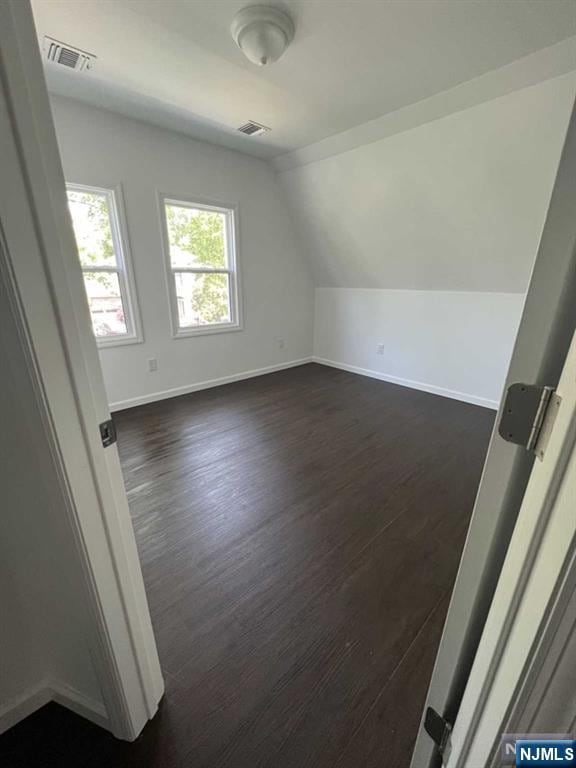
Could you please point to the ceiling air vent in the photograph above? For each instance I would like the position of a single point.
(67, 55)
(253, 129)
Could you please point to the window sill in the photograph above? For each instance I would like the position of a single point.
(121, 341)
(208, 330)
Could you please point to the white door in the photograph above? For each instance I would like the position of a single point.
(41, 268)
(539, 561)
(541, 346)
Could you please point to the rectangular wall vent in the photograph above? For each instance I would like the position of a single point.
(253, 129)
(67, 55)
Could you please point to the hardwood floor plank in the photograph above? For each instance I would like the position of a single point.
(386, 734)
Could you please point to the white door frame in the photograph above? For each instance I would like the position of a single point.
(544, 335)
(546, 700)
(42, 272)
(540, 560)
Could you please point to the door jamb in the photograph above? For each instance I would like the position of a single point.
(49, 307)
(543, 520)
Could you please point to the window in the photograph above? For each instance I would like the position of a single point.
(108, 283)
(202, 271)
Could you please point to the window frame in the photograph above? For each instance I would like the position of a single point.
(230, 210)
(124, 267)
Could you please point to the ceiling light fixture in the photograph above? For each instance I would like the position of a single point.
(262, 33)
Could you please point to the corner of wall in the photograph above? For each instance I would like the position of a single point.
(43, 693)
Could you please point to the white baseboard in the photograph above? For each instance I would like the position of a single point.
(431, 388)
(74, 700)
(49, 690)
(22, 706)
(187, 388)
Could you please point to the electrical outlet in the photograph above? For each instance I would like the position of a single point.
(379, 349)
(152, 364)
(280, 343)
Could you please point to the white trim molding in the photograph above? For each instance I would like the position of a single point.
(120, 405)
(186, 389)
(51, 690)
(24, 705)
(422, 386)
(77, 702)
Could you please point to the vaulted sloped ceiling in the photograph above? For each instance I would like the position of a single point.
(454, 204)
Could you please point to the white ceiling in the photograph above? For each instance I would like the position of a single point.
(173, 62)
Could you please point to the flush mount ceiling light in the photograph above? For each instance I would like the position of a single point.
(262, 33)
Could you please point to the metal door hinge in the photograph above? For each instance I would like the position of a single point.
(528, 416)
(108, 433)
(439, 730)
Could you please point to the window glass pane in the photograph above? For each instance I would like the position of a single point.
(202, 299)
(91, 221)
(197, 238)
(105, 302)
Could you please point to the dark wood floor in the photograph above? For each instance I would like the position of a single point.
(299, 536)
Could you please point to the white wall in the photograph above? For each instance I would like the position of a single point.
(104, 149)
(441, 222)
(452, 343)
(43, 626)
